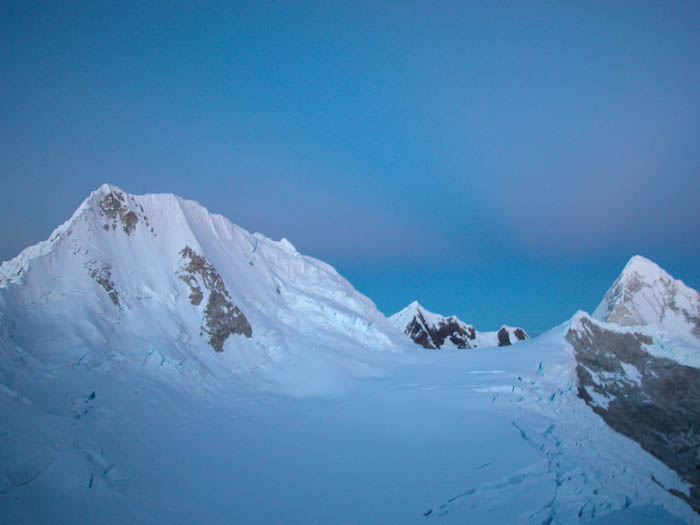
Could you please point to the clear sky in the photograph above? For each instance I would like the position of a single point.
(496, 160)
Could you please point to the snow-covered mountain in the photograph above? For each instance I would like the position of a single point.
(640, 370)
(160, 365)
(433, 331)
(157, 282)
(645, 295)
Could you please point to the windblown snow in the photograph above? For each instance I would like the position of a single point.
(159, 364)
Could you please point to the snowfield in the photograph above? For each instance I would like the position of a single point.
(116, 405)
(486, 436)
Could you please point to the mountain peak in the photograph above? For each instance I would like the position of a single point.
(434, 331)
(645, 268)
(107, 188)
(646, 295)
(412, 307)
(160, 270)
(415, 307)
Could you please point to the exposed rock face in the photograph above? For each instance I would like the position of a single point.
(116, 210)
(503, 337)
(644, 294)
(507, 335)
(652, 400)
(434, 331)
(102, 273)
(433, 337)
(221, 317)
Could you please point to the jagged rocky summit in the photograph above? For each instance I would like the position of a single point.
(637, 364)
(435, 331)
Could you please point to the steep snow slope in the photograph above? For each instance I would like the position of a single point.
(158, 284)
(434, 331)
(645, 295)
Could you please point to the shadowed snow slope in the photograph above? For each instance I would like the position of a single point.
(160, 365)
(435, 331)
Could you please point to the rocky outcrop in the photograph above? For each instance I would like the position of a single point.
(503, 337)
(221, 317)
(434, 331)
(507, 336)
(434, 336)
(116, 210)
(653, 400)
(102, 274)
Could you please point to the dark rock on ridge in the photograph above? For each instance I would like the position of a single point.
(102, 273)
(520, 334)
(221, 317)
(433, 331)
(653, 400)
(433, 337)
(114, 208)
(503, 337)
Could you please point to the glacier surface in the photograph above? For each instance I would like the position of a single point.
(122, 401)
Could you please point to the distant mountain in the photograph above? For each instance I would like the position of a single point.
(638, 366)
(434, 331)
(645, 295)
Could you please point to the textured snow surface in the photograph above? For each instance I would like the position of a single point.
(445, 437)
(115, 407)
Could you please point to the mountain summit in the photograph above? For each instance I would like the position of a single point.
(434, 331)
(640, 369)
(645, 295)
(158, 281)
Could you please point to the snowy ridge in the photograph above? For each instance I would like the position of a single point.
(434, 331)
(645, 295)
(638, 367)
(671, 345)
(131, 277)
(405, 316)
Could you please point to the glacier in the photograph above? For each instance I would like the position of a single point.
(159, 364)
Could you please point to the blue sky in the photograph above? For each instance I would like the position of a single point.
(499, 161)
